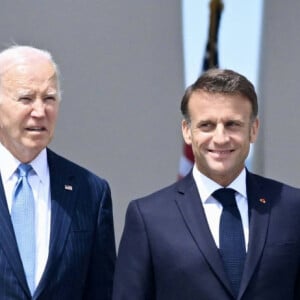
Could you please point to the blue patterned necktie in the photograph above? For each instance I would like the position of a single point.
(232, 243)
(22, 214)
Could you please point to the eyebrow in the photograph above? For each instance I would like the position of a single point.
(24, 92)
(51, 92)
(27, 92)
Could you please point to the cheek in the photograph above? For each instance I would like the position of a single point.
(52, 114)
(6, 120)
(201, 138)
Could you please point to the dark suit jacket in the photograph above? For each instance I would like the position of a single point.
(82, 248)
(168, 253)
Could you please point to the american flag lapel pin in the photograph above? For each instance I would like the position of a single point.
(68, 187)
(263, 200)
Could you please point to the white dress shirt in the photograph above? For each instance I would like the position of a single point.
(39, 181)
(213, 208)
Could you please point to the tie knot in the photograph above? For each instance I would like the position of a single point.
(225, 196)
(24, 169)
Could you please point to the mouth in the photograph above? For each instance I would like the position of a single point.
(220, 154)
(35, 129)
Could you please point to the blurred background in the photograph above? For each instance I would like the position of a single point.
(125, 65)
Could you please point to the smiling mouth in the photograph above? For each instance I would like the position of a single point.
(221, 151)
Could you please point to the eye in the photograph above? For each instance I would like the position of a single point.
(25, 99)
(233, 124)
(206, 126)
(49, 98)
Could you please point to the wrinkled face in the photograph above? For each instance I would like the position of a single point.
(28, 108)
(220, 132)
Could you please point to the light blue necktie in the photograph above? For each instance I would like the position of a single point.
(22, 214)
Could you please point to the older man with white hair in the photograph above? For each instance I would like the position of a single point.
(56, 224)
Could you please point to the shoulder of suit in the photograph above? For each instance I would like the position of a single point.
(165, 194)
(70, 166)
(266, 181)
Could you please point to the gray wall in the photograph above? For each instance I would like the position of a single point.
(277, 151)
(122, 80)
(122, 77)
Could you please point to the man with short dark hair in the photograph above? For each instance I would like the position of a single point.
(220, 233)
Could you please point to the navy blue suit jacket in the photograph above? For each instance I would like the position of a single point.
(81, 257)
(167, 251)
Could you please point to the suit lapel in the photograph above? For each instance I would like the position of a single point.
(8, 241)
(63, 198)
(189, 204)
(259, 203)
(259, 210)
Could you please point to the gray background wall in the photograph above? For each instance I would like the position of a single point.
(122, 79)
(277, 150)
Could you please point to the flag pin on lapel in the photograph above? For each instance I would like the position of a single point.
(263, 200)
(68, 187)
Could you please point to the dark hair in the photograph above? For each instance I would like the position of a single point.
(223, 82)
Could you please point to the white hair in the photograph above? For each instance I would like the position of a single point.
(19, 54)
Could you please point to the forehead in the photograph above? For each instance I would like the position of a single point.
(202, 101)
(38, 74)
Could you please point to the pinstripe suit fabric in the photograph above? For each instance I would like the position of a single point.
(82, 254)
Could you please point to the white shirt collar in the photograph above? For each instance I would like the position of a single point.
(9, 164)
(206, 186)
(40, 165)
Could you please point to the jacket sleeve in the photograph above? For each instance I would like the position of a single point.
(102, 262)
(134, 275)
(297, 287)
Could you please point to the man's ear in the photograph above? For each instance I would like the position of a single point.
(254, 130)
(186, 131)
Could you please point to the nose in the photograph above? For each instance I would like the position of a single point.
(220, 134)
(38, 109)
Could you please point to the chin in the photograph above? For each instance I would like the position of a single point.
(220, 167)
(33, 149)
